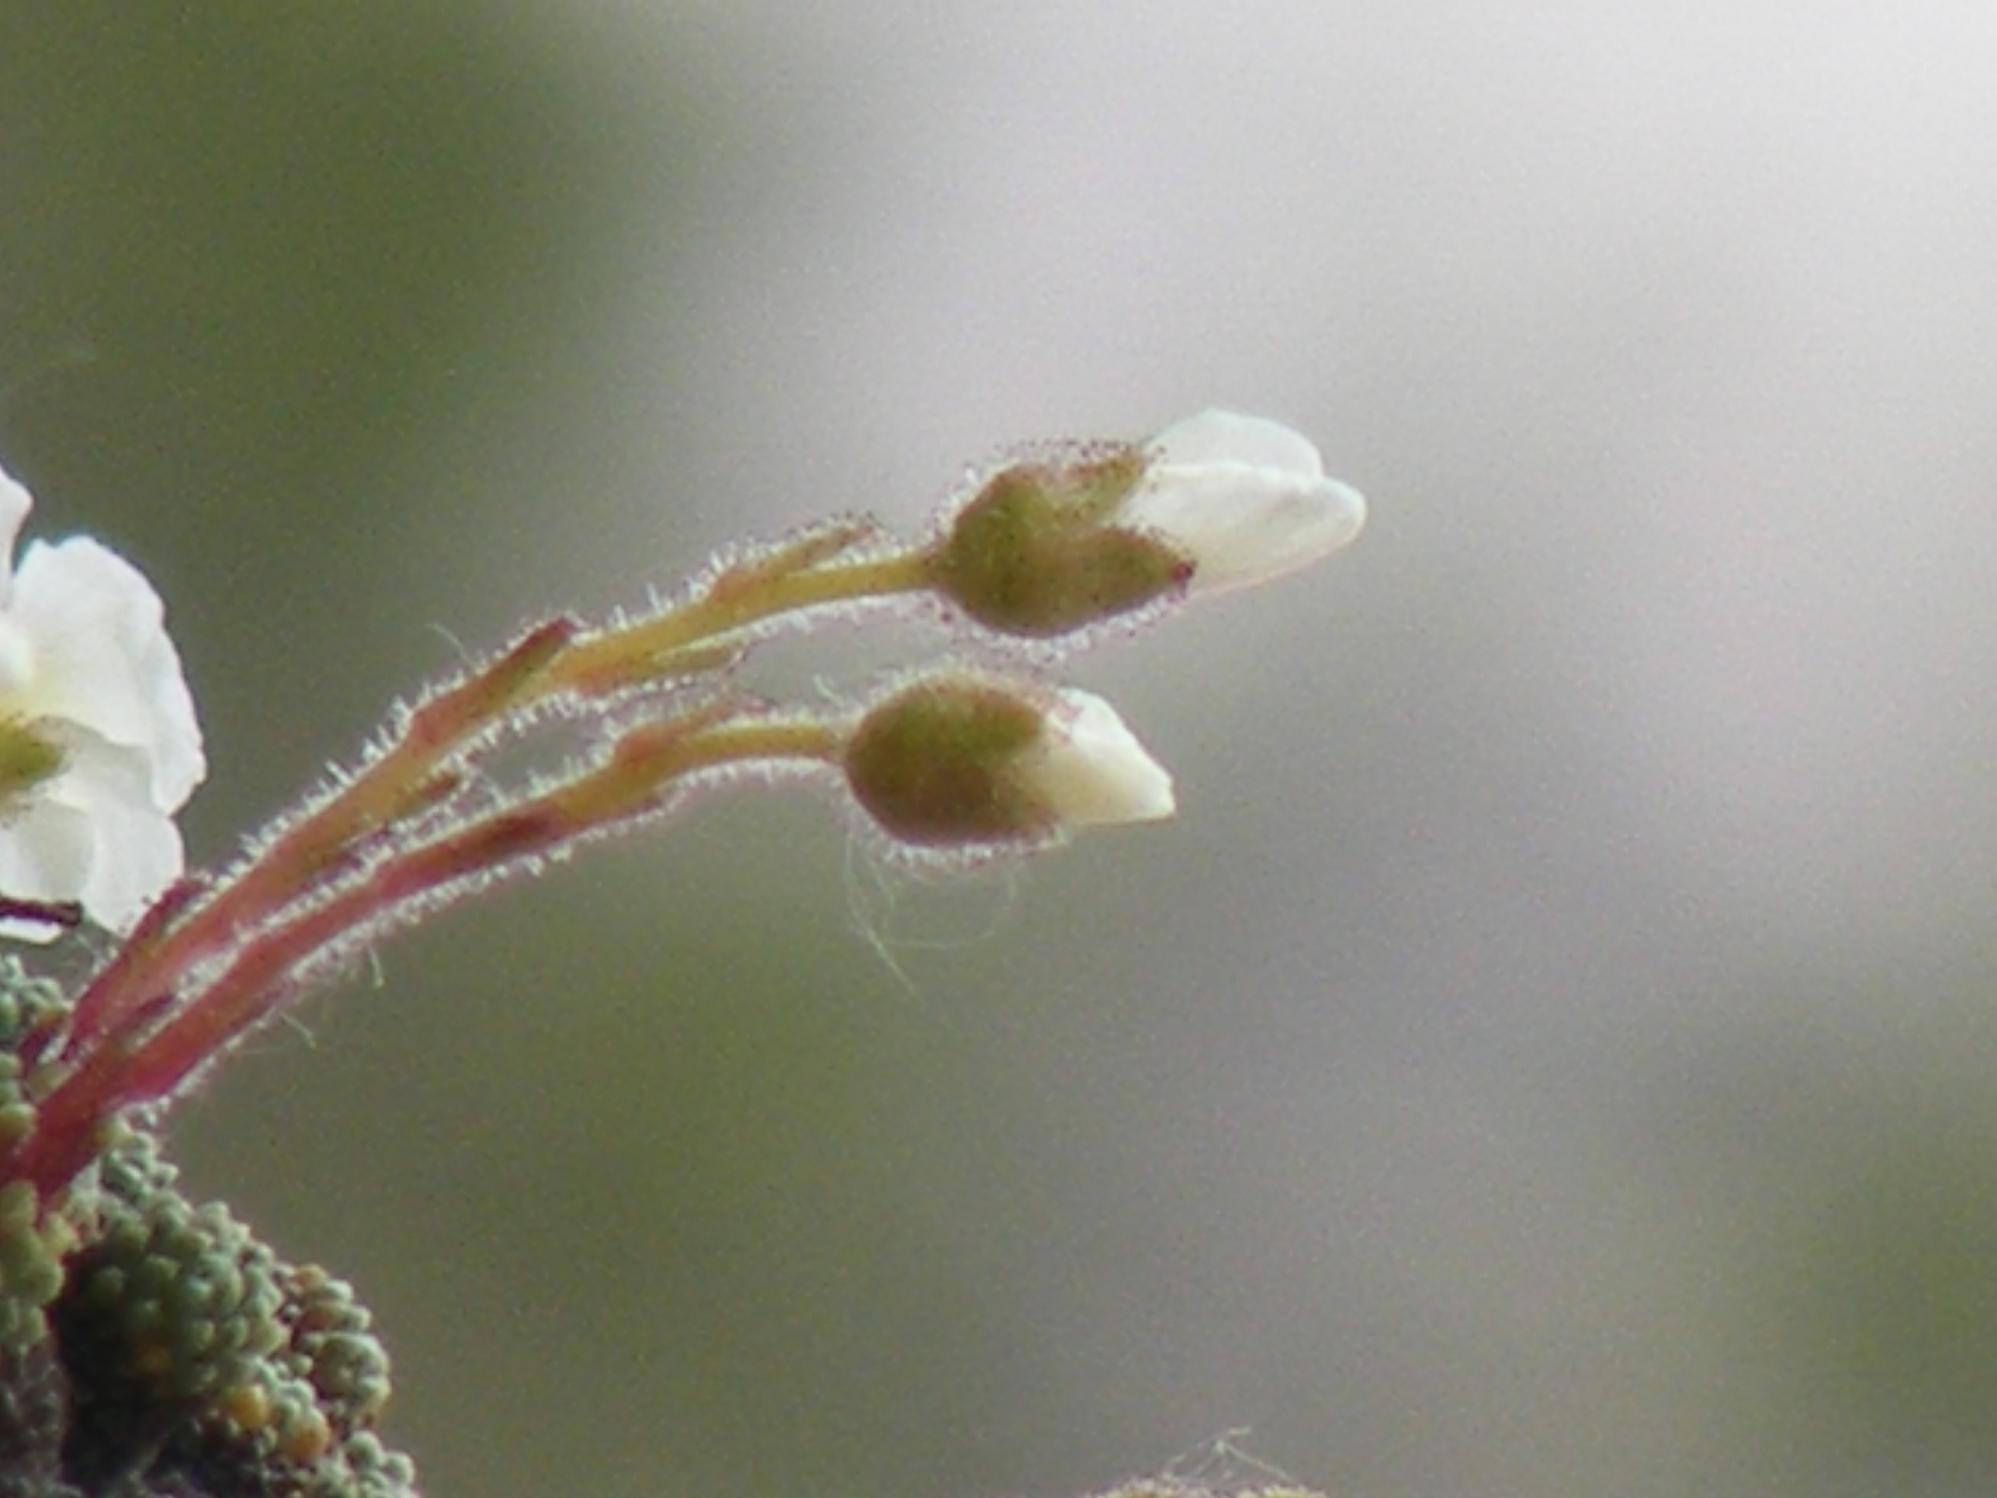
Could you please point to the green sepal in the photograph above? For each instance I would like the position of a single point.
(933, 765)
(1036, 552)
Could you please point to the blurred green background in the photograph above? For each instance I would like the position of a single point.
(1552, 1052)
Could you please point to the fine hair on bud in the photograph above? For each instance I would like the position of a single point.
(958, 757)
(1034, 553)
(928, 763)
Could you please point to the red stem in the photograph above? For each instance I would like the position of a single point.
(66, 914)
(115, 1076)
(112, 1077)
(153, 961)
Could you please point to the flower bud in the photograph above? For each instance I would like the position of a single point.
(1035, 552)
(964, 759)
(1216, 501)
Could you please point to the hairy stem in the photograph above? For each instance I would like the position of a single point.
(632, 781)
(553, 660)
(397, 782)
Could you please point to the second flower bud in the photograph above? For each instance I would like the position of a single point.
(960, 758)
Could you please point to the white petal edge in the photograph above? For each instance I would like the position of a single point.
(15, 502)
(1243, 525)
(1089, 770)
(1218, 436)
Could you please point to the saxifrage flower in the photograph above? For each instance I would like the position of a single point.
(99, 745)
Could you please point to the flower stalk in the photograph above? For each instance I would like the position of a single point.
(792, 580)
(634, 779)
(953, 759)
(555, 659)
(406, 778)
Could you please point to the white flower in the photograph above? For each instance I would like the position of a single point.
(98, 741)
(1245, 498)
(1088, 769)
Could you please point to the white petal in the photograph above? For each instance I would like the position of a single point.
(1217, 436)
(135, 849)
(1247, 499)
(45, 854)
(15, 502)
(103, 659)
(1242, 524)
(136, 854)
(1089, 769)
(17, 667)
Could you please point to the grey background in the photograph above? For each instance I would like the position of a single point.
(1551, 1053)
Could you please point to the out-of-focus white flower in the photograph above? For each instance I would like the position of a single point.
(963, 758)
(98, 740)
(1245, 498)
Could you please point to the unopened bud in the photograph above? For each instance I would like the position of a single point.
(964, 759)
(1037, 551)
(1213, 502)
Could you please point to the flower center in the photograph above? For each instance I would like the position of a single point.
(26, 760)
